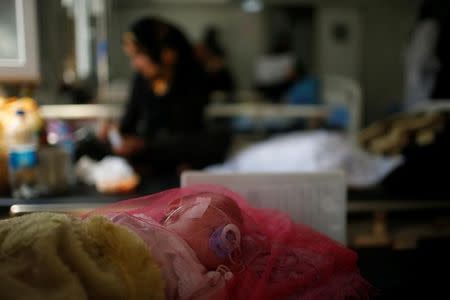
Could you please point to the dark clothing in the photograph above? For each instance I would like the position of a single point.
(424, 171)
(274, 92)
(221, 81)
(158, 118)
(173, 125)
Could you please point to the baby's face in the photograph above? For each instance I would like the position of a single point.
(196, 223)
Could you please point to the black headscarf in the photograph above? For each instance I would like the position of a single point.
(153, 35)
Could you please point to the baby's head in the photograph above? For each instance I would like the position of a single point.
(210, 223)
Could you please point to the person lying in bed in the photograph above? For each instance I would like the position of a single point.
(208, 243)
(193, 243)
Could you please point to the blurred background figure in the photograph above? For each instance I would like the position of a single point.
(162, 127)
(273, 69)
(305, 87)
(212, 55)
(428, 55)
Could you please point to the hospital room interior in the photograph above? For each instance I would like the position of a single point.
(224, 149)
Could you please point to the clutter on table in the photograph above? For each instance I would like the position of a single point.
(111, 175)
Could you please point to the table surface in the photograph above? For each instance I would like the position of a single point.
(87, 198)
(266, 110)
(82, 194)
(248, 109)
(80, 111)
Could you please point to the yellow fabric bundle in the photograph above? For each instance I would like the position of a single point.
(55, 256)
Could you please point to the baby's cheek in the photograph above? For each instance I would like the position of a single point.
(196, 232)
(198, 240)
(207, 256)
(200, 245)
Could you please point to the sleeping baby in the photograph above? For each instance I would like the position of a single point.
(196, 243)
(202, 242)
(210, 244)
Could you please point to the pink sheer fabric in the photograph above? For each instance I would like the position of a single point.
(274, 258)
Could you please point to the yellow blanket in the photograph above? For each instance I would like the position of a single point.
(54, 256)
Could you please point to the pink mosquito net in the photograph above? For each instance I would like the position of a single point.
(210, 243)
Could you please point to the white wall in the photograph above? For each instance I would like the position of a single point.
(387, 27)
(375, 56)
(334, 57)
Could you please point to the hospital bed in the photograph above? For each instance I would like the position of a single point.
(315, 199)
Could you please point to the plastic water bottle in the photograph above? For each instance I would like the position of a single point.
(22, 144)
(60, 134)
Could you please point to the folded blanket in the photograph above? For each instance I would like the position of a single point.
(54, 256)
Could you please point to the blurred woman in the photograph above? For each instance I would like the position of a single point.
(162, 126)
